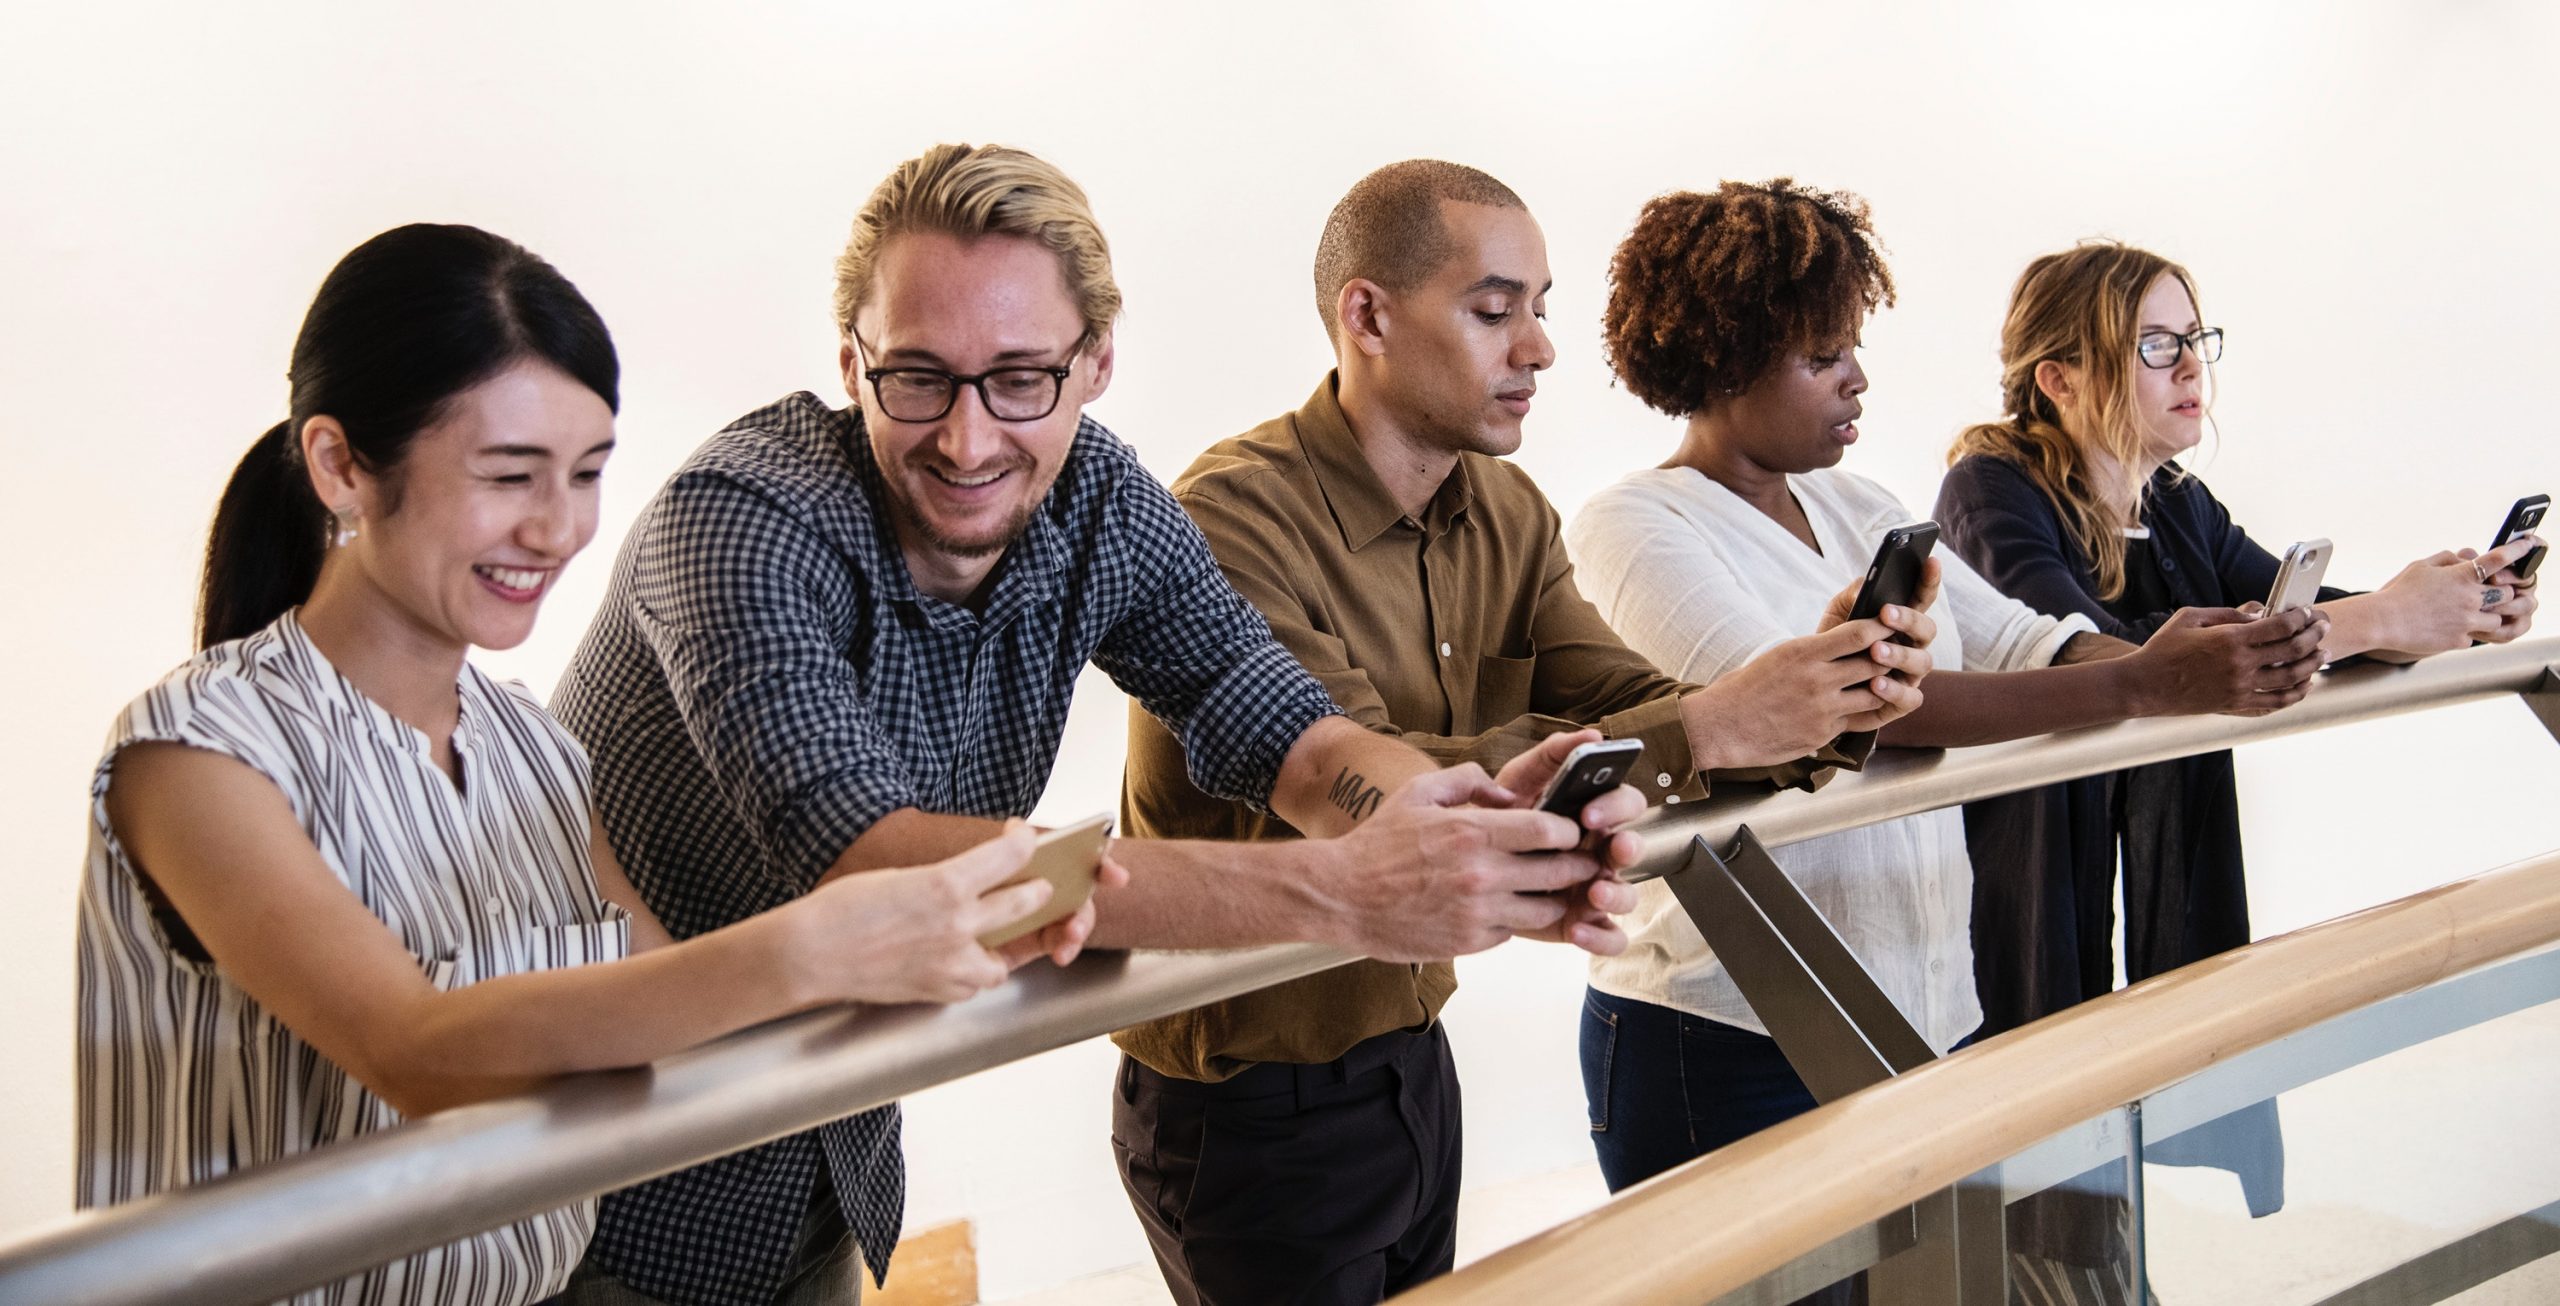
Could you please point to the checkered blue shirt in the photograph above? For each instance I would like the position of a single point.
(764, 682)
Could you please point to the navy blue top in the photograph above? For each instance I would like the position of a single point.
(2005, 528)
(2045, 860)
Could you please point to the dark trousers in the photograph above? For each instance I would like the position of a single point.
(1667, 1087)
(1333, 1183)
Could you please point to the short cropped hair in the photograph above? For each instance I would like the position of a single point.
(1388, 228)
(1710, 292)
(983, 190)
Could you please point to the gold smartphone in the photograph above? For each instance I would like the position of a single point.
(1069, 858)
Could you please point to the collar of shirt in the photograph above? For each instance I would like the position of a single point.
(328, 687)
(1026, 576)
(1362, 507)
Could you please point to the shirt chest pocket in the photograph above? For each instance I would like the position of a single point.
(1502, 691)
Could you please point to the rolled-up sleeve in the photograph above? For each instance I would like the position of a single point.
(731, 593)
(2000, 633)
(1199, 658)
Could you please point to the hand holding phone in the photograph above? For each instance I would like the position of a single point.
(2523, 519)
(1588, 772)
(1894, 576)
(1069, 858)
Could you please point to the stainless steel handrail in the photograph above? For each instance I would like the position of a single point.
(1901, 782)
(279, 1228)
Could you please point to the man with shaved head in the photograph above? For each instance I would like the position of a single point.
(1424, 583)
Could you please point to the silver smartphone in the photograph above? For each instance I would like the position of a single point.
(2298, 578)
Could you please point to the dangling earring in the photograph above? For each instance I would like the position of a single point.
(342, 527)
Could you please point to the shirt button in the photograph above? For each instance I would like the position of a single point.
(1937, 968)
(1672, 799)
(1444, 648)
(1663, 780)
(496, 908)
(2168, 564)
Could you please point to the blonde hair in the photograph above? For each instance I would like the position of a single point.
(2081, 307)
(970, 191)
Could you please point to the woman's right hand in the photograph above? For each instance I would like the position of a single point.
(911, 934)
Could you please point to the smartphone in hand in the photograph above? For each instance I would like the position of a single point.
(1588, 772)
(1070, 859)
(1894, 576)
(2298, 577)
(2522, 519)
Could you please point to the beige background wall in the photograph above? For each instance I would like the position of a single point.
(2363, 189)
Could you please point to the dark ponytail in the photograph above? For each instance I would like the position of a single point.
(406, 321)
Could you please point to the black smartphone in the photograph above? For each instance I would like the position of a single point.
(1588, 772)
(1894, 577)
(2521, 520)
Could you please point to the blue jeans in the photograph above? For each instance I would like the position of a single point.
(1667, 1087)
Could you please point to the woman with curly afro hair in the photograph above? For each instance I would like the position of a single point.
(1738, 313)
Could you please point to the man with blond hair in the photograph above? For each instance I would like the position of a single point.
(1424, 582)
(844, 639)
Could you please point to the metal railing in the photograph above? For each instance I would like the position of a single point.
(314, 1218)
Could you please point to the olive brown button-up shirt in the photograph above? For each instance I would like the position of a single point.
(1462, 632)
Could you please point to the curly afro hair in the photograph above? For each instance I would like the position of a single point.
(1710, 292)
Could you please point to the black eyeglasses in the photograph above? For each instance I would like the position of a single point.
(1010, 394)
(2160, 349)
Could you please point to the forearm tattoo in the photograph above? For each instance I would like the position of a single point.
(1353, 793)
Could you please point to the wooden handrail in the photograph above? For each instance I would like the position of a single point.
(1719, 1222)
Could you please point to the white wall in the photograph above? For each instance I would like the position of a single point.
(2363, 189)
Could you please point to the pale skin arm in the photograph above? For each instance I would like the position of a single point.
(2433, 606)
(2202, 660)
(282, 926)
(1426, 868)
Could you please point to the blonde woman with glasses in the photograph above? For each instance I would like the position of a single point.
(2075, 502)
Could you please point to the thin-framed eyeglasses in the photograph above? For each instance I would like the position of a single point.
(2160, 349)
(1023, 393)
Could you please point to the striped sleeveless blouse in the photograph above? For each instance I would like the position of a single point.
(183, 1077)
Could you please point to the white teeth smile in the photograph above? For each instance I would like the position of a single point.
(514, 578)
(970, 482)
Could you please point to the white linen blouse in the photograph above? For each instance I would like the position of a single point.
(1701, 582)
(182, 1076)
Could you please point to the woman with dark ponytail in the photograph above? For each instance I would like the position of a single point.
(336, 876)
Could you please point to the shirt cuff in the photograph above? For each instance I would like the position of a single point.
(2050, 646)
(1668, 772)
(1847, 753)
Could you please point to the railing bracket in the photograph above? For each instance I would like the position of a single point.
(1839, 1031)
